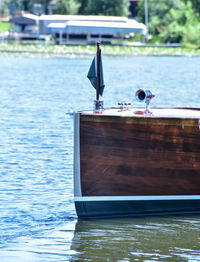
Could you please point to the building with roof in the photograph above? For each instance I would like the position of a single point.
(25, 21)
(74, 29)
(77, 29)
(45, 20)
(25, 26)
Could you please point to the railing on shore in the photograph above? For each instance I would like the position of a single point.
(139, 44)
(46, 43)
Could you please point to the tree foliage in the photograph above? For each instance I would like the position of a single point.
(107, 7)
(182, 25)
(28, 5)
(4, 7)
(157, 10)
(195, 5)
(70, 7)
(173, 21)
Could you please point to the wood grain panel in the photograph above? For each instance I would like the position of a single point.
(139, 156)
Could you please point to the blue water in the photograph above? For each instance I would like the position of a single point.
(37, 216)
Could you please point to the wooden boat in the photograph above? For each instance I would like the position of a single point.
(131, 164)
(133, 161)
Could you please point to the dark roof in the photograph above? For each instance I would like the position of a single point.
(24, 19)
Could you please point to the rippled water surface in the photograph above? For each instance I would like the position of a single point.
(37, 217)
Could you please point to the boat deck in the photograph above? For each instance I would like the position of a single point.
(193, 113)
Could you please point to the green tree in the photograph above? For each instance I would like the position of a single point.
(195, 5)
(83, 4)
(157, 10)
(44, 3)
(4, 7)
(70, 7)
(182, 26)
(27, 5)
(172, 21)
(108, 7)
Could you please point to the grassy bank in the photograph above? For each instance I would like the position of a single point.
(4, 26)
(56, 50)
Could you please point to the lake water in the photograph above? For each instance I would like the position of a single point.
(37, 216)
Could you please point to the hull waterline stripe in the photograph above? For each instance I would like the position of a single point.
(136, 198)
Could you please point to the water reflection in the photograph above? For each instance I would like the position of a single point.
(137, 239)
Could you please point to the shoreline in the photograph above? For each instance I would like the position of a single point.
(107, 50)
